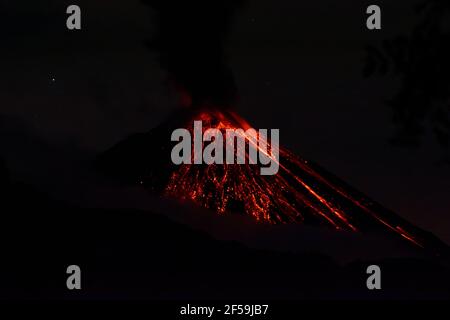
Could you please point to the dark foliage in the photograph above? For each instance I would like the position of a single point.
(421, 61)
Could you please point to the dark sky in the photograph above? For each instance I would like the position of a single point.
(297, 65)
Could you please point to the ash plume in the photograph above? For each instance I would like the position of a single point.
(191, 44)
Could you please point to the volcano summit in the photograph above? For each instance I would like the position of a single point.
(301, 192)
(236, 141)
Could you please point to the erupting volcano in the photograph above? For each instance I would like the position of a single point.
(300, 192)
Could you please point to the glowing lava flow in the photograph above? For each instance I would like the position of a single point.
(298, 193)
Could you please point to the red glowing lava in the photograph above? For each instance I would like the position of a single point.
(301, 192)
(298, 193)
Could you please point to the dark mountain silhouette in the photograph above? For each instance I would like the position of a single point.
(136, 254)
(129, 253)
(302, 192)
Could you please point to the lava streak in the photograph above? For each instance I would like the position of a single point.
(298, 193)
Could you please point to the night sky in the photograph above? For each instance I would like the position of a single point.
(297, 66)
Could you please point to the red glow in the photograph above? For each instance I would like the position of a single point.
(298, 193)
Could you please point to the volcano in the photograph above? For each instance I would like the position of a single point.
(301, 192)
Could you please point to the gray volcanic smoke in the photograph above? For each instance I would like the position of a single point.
(190, 41)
